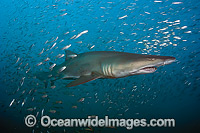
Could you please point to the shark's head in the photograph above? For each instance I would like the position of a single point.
(135, 64)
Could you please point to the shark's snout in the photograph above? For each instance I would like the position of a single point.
(169, 60)
(156, 62)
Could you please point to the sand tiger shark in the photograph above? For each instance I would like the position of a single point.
(90, 66)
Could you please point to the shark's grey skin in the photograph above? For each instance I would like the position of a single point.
(89, 66)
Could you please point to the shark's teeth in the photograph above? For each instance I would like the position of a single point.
(150, 69)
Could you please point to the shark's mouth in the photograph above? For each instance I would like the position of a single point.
(148, 69)
(145, 70)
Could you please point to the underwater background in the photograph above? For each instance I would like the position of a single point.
(36, 32)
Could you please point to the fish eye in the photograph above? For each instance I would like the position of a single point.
(151, 59)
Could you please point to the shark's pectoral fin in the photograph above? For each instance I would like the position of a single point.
(84, 79)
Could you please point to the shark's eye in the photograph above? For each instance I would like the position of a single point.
(151, 59)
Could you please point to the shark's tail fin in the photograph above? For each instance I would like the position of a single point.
(43, 76)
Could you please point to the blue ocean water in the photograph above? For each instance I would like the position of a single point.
(30, 29)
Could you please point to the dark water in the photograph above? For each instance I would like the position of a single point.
(29, 29)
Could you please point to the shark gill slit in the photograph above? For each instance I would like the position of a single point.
(104, 69)
(107, 70)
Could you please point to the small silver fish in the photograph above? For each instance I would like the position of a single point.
(73, 37)
(22, 81)
(52, 66)
(17, 60)
(66, 47)
(63, 14)
(81, 100)
(56, 38)
(123, 17)
(66, 33)
(40, 63)
(62, 69)
(62, 55)
(44, 96)
(52, 111)
(61, 40)
(47, 59)
(41, 51)
(30, 109)
(53, 87)
(53, 45)
(11, 102)
(83, 32)
(28, 70)
(46, 41)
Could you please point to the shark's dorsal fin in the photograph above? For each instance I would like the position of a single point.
(69, 54)
(84, 79)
